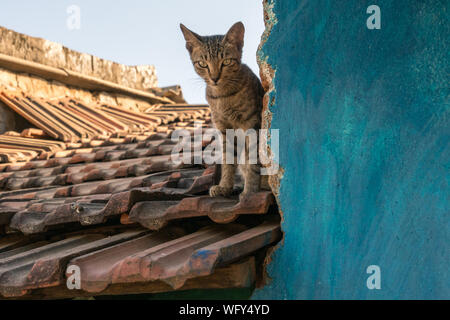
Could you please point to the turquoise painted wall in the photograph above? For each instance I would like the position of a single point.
(364, 142)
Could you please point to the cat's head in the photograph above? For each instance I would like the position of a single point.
(217, 59)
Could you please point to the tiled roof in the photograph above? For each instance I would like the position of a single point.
(132, 256)
(94, 186)
(72, 121)
(15, 148)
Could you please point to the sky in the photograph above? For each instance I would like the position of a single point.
(137, 32)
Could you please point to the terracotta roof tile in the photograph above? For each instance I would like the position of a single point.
(156, 214)
(37, 217)
(86, 170)
(41, 266)
(81, 125)
(131, 257)
(155, 257)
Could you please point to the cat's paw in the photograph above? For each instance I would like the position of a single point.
(219, 191)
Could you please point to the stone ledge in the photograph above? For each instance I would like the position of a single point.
(56, 55)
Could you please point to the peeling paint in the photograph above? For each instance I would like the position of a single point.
(363, 118)
(267, 74)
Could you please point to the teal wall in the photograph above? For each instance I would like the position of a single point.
(364, 131)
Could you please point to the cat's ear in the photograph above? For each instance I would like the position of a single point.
(236, 35)
(192, 39)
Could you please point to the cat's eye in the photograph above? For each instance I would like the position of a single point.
(227, 62)
(202, 64)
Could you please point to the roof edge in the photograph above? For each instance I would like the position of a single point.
(73, 78)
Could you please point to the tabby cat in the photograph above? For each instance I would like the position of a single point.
(234, 93)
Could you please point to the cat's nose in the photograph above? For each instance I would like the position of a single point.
(215, 80)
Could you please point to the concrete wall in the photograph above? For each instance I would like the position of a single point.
(55, 55)
(364, 129)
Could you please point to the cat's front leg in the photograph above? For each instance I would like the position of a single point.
(251, 170)
(225, 187)
(252, 178)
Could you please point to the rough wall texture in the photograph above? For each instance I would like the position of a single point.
(364, 129)
(55, 55)
(43, 88)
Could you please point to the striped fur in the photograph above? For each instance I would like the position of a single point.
(233, 92)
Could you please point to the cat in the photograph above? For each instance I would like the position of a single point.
(235, 96)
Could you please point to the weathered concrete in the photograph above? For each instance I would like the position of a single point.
(55, 55)
(364, 131)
